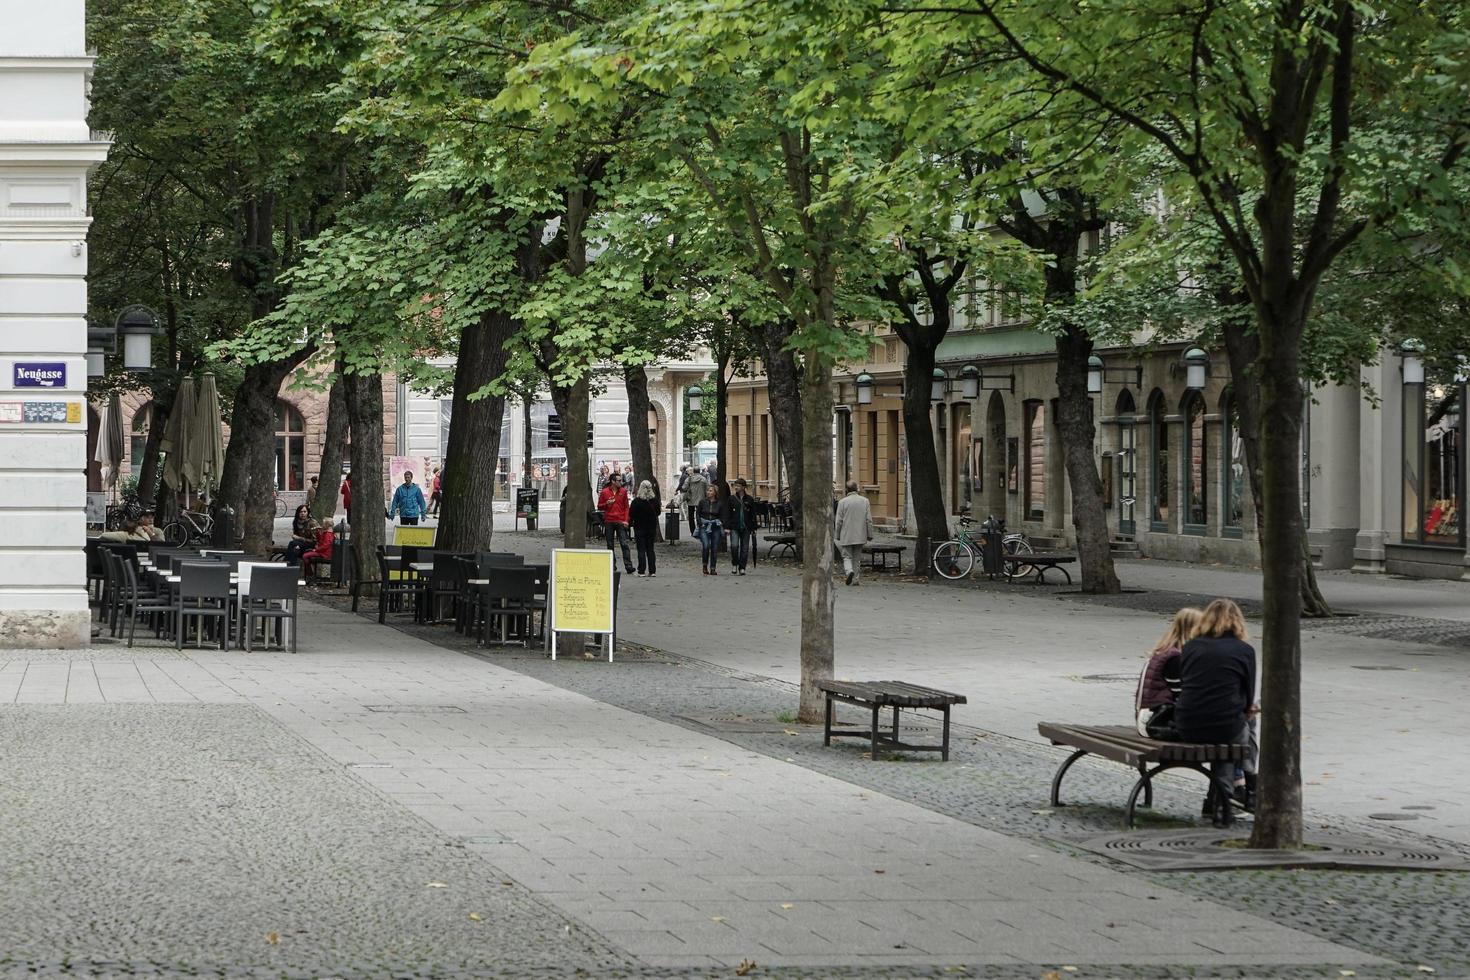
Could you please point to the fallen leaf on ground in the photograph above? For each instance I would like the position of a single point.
(1347, 973)
(436, 884)
(717, 918)
(879, 871)
(1051, 975)
(1425, 969)
(1070, 969)
(788, 905)
(745, 967)
(476, 917)
(274, 938)
(790, 732)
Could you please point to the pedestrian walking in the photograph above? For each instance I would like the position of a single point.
(854, 528)
(408, 501)
(695, 488)
(711, 514)
(347, 497)
(740, 514)
(311, 492)
(613, 503)
(643, 516)
(436, 492)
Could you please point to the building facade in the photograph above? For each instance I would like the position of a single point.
(46, 154)
(1382, 463)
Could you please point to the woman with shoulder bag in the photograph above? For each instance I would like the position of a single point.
(1153, 701)
(1216, 703)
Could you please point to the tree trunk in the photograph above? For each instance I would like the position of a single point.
(1278, 818)
(1078, 435)
(817, 596)
(573, 404)
(635, 380)
(364, 397)
(722, 406)
(148, 472)
(329, 475)
(467, 480)
(247, 481)
(783, 388)
(926, 486)
(1242, 348)
(528, 459)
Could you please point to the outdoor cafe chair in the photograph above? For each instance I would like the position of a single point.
(203, 594)
(446, 582)
(499, 558)
(507, 596)
(269, 595)
(392, 590)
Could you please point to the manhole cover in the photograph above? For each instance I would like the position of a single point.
(1375, 667)
(415, 709)
(1104, 678)
(1204, 850)
(1393, 816)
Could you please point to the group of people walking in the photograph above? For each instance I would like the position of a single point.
(1199, 685)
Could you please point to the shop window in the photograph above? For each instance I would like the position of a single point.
(1035, 464)
(1196, 499)
(290, 448)
(1434, 462)
(1159, 487)
(138, 437)
(1232, 469)
(961, 465)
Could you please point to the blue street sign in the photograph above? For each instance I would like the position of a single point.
(40, 374)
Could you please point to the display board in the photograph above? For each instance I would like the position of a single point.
(414, 536)
(582, 594)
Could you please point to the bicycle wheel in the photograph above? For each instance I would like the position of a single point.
(1020, 546)
(953, 560)
(175, 533)
(280, 507)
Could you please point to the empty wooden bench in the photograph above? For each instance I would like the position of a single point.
(1018, 565)
(1122, 743)
(877, 695)
(874, 552)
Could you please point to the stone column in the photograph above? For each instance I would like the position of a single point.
(46, 152)
(1380, 465)
(1333, 471)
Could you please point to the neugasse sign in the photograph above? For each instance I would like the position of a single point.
(582, 594)
(39, 374)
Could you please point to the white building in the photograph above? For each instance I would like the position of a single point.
(423, 427)
(46, 152)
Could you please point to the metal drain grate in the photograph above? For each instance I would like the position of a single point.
(1205, 850)
(415, 709)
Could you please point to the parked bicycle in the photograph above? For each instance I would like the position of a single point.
(191, 526)
(956, 558)
(123, 514)
(282, 508)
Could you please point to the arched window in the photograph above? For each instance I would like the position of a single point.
(1196, 452)
(1159, 488)
(290, 448)
(138, 436)
(1232, 466)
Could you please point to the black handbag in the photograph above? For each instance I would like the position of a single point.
(1160, 724)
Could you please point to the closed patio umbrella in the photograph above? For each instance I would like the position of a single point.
(207, 451)
(110, 440)
(175, 437)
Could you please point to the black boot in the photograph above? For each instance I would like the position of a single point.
(1246, 795)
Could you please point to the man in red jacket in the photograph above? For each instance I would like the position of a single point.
(613, 502)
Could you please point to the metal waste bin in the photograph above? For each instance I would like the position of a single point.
(224, 528)
(994, 542)
(671, 525)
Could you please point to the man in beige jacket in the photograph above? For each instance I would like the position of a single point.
(854, 529)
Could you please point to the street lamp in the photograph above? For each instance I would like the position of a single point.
(941, 382)
(101, 341)
(864, 384)
(696, 397)
(969, 381)
(1196, 364)
(137, 325)
(1413, 366)
(1094, 375)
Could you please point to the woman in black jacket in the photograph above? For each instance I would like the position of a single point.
(303, 538)
(643, 516)
(1217, 699)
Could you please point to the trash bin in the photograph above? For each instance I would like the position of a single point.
(671, 525)
(994, 542)
(224, 528)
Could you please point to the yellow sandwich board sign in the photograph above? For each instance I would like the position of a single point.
(414, 536)
(582, 593)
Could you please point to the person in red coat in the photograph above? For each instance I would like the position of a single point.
(347, 496)
(613, 503)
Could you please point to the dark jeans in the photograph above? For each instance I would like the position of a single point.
(644, 540)
(709, 535)
(296, 549)
(693, 521)
(739, 548)
(618, 533)
(405, 519)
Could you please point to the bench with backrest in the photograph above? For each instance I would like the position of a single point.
(894, 695)
(1149, 756)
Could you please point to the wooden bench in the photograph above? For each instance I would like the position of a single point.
(1042, 563)
(1122, 743)
(787, 541)
(883, 551)
(876, 695)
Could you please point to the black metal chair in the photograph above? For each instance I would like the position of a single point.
(446, 583)
(203, 595)
(271, 598)
(507, 597)
(393, 590)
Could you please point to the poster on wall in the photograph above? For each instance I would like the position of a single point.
(1013, 465)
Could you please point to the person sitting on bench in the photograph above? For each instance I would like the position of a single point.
(1153, 702)
(1216, 702)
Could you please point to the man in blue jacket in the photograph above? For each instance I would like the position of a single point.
(408, 502)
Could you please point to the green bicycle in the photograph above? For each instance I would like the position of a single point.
(955, 558)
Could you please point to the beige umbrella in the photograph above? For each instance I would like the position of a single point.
(176, 435)
(207, 450)
(110, 440)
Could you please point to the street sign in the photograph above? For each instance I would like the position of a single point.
(38, 374)
(582, 594)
